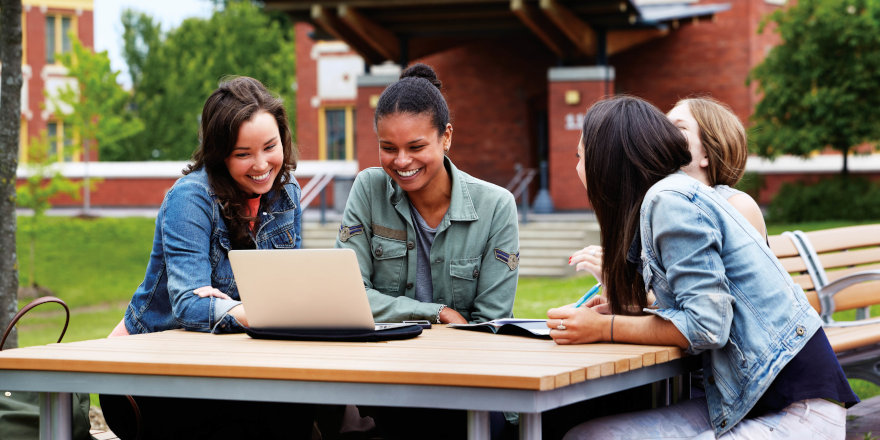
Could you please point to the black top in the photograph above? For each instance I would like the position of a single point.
(814, 373)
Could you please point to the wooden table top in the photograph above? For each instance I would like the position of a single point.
(439, 356)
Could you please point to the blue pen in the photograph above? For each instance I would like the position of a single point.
(590, 293)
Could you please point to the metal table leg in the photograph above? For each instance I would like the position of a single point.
(55, 411)
(529, 426)
(478, 425)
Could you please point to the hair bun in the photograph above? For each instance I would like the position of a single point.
(424, 71)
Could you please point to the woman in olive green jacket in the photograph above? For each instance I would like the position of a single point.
(432, 242)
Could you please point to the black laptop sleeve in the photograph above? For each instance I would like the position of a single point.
(347, 335)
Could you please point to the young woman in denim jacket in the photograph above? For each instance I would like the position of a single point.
(719, 150)
(433, 242)
(237, 194)
(721, 294)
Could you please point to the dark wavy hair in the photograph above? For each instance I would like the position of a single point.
(418, 91)
(629, 145)
(235, 102)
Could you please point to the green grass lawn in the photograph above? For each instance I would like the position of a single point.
(95, 265)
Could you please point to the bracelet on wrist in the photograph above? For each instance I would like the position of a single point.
(442, 306)
(612, 327)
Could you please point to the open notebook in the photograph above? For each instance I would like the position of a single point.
(306, 294)
(510, 326)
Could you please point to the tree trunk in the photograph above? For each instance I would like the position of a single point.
(10, 130)
(845, 171)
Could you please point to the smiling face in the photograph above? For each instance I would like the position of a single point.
(256, 159)
(411, 151)
(681, 117)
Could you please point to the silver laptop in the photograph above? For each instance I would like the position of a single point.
(302, 289)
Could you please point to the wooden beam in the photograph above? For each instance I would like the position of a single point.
(330, 22)
(379, 38)
(538, 23)
(619, 41)
(579, 32)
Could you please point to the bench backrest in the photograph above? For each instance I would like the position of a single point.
(783, 246)
(840, 252)
(846, 251)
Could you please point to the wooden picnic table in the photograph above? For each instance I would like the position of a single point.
(442, 368)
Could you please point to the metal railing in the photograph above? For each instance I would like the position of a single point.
(519, 187)
(314, 188)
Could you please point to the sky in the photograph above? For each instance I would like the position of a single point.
(108, 26)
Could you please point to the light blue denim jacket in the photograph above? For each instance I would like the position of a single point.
(190, 248)
(715, 278)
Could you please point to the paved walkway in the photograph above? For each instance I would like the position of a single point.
(862, 419)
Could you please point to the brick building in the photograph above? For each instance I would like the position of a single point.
(47, 27)
(518, 74)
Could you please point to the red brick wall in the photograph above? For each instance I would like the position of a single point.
(35, 28)
(698, 58)
(35, 57)
(494, 89)
(365, 145)
(566, 189)
(306, 136)
(143, 192)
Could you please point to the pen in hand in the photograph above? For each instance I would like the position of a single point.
(590, 293)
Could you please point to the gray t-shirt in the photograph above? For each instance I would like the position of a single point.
(424, 241)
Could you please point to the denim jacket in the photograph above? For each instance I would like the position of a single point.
(474, 258)
(715, 278)
(190, 248)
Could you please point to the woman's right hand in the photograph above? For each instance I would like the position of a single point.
(581, 325)
(588, 259)
(450, 316)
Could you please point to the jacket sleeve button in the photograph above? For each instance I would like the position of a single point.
(800, 330)
(724, 423)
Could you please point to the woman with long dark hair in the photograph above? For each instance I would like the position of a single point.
(720, 293)
(237, 194)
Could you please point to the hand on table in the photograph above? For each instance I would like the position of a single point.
(582, 325)
(450, 316)
(588, 259)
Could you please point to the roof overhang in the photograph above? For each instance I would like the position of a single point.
(400, 30)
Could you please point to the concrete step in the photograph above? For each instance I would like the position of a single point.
(544, 245)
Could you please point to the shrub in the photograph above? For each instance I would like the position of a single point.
(836, 198)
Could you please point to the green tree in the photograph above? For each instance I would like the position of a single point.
(44, 181)
(176, 72)
(821, 85)
(95, 107)
(141, 34)
(10, 129)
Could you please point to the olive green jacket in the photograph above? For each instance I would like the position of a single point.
(474, 258)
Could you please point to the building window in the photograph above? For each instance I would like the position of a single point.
(60, 141)
(58, 29)
(336, 135)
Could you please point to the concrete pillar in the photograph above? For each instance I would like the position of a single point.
(571, 91)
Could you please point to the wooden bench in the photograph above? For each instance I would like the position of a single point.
(839, 269)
